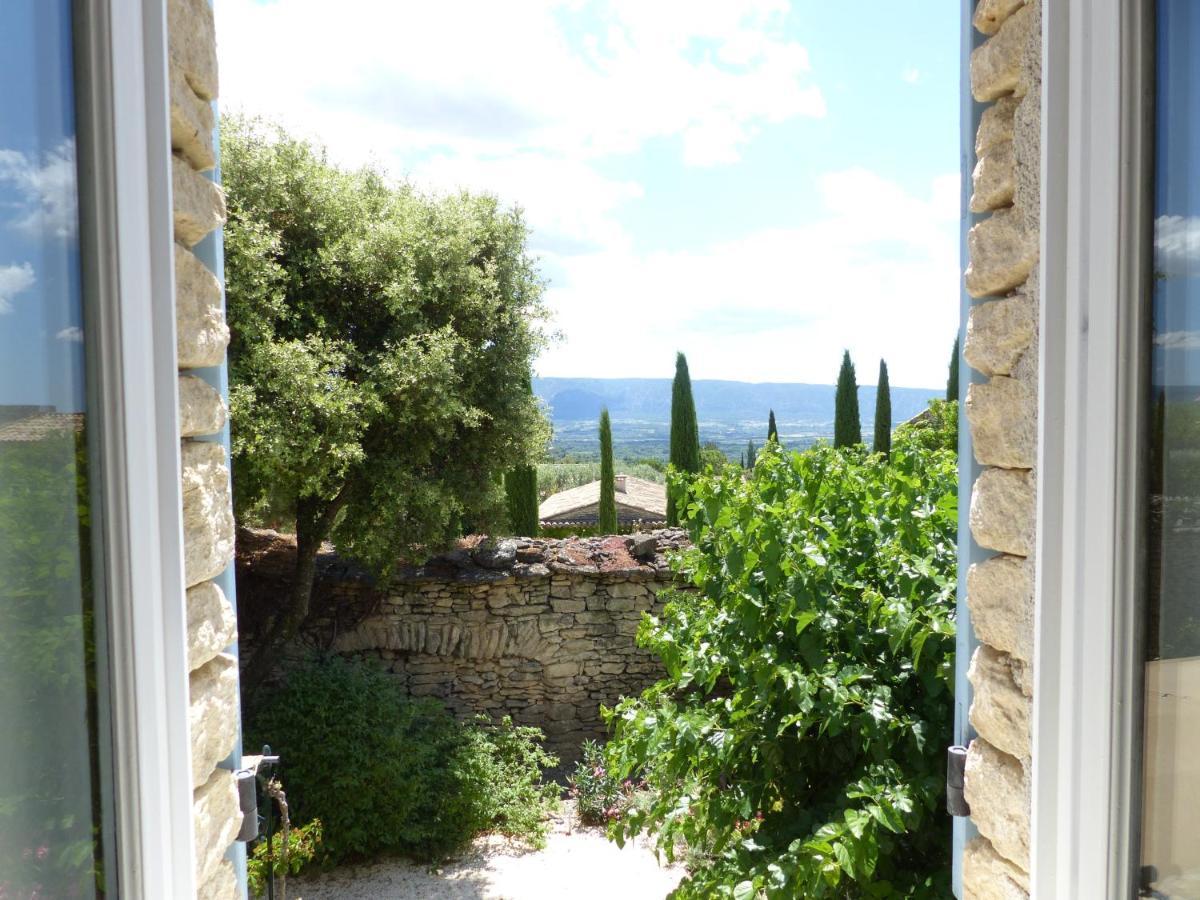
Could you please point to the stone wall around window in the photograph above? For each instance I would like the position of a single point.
(1002, 345)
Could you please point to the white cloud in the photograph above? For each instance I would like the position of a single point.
(1177, 245)
(14, 280)
(46, 188)
(778, 304)
(72, 334)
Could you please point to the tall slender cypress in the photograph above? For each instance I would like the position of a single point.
(772, 430)
(608, 482)
(685, 432)
(521, 493)
(847, 425)
(883, 413)
(751, 455)
(952, 381)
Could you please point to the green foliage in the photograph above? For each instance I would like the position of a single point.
(685, 431)
(302, 846)
(607, 518)
(772, 428)
(712, 457)
(556, 477)
(521, 492)
(847, 424)
(797, 738)
(599, 796)
(751, 455)
(883, 413)
(388, 774)
(952, 380)
(379, 359)
(934, 429)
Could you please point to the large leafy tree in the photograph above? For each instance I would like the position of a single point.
(685, 432)
(847, 426)
(608, 487)
(883, 413)
(381, 342)
(952, 380)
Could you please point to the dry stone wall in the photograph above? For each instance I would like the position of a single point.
(201, 336)
(540, 630)
(1001, 344)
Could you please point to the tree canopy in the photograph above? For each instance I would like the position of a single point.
(685, 432)
(847, 425)
(883, 413)
(381, 344)
(608, 498)
(952, 379)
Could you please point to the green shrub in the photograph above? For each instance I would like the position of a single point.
(388, 774)
(796, 743)
(599, 795)
(302, 845)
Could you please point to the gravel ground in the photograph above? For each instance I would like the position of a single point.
(578, 863)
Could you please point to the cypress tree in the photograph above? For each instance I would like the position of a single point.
(883, 413)
(751, 455)
(521, 492)
(685, 432)
(608, 482)
(847, 425)
(952, 381)
(772, 430)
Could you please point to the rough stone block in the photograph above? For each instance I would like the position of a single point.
(1000, 711)
(998, 331)
(192, 44)
(1000, 597)
(991, 14)
(208, 529)
(989, 876)
(211, 624)
(996, 67)
(216, 818)
(1003, 505)
(221, 884)
(1002, 250)
(995, 125)
(199, 203)
(997, 789)
(994, 180)
(201, 409)
(213, 714)
(1003, 418)
(202, 334)
(191, 123)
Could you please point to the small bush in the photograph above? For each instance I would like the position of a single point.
(302, 845)
(389, 774)
(600, 797)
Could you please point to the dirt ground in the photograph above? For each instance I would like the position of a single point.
(578, 863)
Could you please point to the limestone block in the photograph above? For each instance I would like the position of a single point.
(994, 180)
(211, 624)
(1027, 150)
(192, 44)
(995, 125)
(201, 409)
(221, 884)
(991, 14)
(201, 332)
(216, 818)
(191, 123)
(199, 203)
(996, 67)
(1002, 253)
(989, 876)
(1000, 597)
(213, 714)
(207, 512)
(1003, 417)
(1002, 511)
(997, 789)
(1000, 711)
(998, 331)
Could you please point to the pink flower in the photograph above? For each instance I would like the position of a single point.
(43, 851)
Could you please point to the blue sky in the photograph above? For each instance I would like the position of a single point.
(757, 183)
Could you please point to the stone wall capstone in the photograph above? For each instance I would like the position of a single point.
(1001, 344)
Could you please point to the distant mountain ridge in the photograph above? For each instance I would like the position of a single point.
(649, 399)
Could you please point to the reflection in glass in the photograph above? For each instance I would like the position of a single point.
(1171, 809)
(50, 826)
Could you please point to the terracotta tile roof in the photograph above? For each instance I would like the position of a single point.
(645, 499)
(40, 426)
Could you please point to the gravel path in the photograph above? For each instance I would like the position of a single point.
(578, 862)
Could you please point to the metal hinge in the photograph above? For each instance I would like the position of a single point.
(956, 770)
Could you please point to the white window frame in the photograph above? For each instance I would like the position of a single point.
(1094, 219)
(127, 235)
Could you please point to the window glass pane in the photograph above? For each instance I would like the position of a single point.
(50, 827)
(1171, 815)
